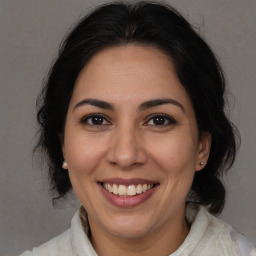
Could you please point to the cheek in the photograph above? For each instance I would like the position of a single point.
(175, 157)
(174, 153)
(83, 157)
(83, 153)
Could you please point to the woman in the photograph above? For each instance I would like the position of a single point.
(132, 119)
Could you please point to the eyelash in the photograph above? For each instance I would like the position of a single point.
(85, 119)
(168, 119)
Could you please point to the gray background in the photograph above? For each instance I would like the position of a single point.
(31, 31)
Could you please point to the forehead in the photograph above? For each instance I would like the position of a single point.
(128, 74)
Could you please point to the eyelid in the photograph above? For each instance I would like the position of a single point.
(169, 118)
(84, 119)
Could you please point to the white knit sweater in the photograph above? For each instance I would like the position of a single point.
(208, 236)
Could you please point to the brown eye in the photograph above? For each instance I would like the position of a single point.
(161, 120)
(96, 120)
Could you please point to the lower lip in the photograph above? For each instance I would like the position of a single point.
(127, 202)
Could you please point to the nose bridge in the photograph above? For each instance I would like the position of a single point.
(127, 147)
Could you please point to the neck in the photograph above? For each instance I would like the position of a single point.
(162, 241)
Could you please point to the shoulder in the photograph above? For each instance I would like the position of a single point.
(72, 242)
(230, 239)
(60, 245)
(245, 246)
(212, 236)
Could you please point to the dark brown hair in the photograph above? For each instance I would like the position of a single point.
(161, 26)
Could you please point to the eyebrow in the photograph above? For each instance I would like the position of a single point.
(95, 102)
(144, 106)
(158, 102)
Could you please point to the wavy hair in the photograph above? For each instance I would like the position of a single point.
(149, 24)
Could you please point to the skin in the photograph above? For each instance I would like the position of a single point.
(129, 143)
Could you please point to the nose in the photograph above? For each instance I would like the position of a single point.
(126, 149)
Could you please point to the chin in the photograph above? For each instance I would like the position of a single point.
(129, 227)
(128, 232)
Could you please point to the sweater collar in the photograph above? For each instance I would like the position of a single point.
(196, 215)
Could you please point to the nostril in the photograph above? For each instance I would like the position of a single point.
(126, 152)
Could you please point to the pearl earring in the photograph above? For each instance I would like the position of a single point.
(201, 163)
(64, 165)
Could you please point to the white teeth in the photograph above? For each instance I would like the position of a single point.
(150, 186)
(131, 190)
(115, 189)
(109, 188)
(139, 189)
(122, 190)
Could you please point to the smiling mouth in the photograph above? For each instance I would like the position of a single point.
(127, 191)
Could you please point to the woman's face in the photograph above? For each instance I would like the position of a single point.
(131, 142)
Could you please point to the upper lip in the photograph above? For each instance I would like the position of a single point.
(127, 182)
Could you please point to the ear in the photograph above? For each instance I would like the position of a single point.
(64, 165)
(203, 151)
(63, 151)
(61, 138)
